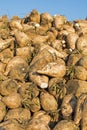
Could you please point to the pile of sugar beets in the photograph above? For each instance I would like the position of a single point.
(43, 73)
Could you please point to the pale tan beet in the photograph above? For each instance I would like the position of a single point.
(6, 43)
(71, 40)
(68, 105)
(21, 39)
(43, 116)
(59, 20)
(8, 87)
(4, 18)
(16, 24)
(52, 51)
(34, 16)
(6, 55)
(76, 87)
(83, 62)
(31, 36)
(48, 102)
(36, 124)
(11, 125)
(46, 18)
(38, 39)
(81, 44)
(27, 27)
(24, 52)
(2, 110)
(12, 100)
(20, 114)
(13, 62)
(17, 68)
(80, 73)
(4, 34)
(66, 125)
(54, 69)
(19, 72)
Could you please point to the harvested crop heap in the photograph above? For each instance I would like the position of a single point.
(43, 73)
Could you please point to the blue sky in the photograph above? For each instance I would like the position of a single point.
(72, 9)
